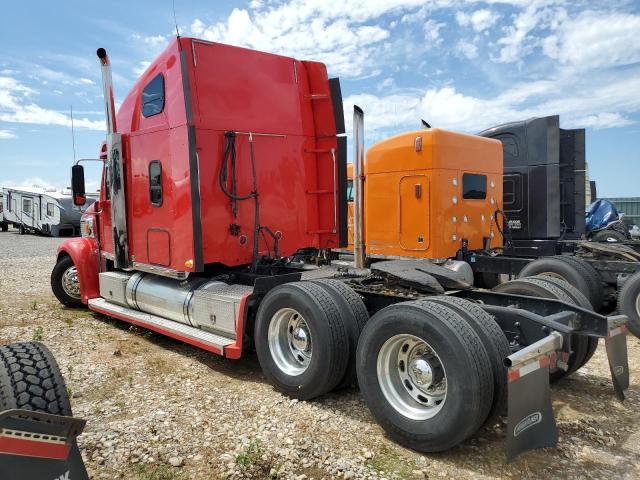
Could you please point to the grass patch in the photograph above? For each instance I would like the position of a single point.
(157, 472)
(392, 463)
(38, 333)
(254, 465)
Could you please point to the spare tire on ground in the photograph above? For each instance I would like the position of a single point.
(30, 379)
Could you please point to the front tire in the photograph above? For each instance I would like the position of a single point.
(65, 283)
(425, 375)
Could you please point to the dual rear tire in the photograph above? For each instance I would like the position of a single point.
(306, 335)
(431, 371)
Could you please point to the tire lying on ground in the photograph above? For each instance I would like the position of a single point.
(65, 283)
(540, 287)
(425, 375)
(301, 339)
(495, 343)
(609, 236)
(31, 380)
(355, 316)
(629, 302)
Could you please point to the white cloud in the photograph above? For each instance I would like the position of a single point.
(7, 135)
(17, 106)
(432, 31)
(603, 120)
(519, 40)
(335, 32)
(480, 20)
(596, 40)
(446, 107)
(467, 49)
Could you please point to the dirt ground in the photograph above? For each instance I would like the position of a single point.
(158, 409)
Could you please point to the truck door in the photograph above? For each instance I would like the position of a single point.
(27, 216)
(414, 212)
(150, 183)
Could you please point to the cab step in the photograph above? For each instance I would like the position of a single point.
(185, 333)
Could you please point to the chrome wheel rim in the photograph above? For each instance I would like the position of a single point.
(638, 305)
(290, 341)
(412, 377)
(70, 282)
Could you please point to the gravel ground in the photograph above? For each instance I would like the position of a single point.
(158, 409)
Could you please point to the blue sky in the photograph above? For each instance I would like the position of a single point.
(464, 65)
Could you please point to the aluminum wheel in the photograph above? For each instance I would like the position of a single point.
(70, 282)
(290, 341)
(638, 305)
(412, 377)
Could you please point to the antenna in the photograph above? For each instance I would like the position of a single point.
(173, 2)
(73, 137)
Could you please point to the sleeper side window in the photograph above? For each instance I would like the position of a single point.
(153, 97)
(474, 186)
(349, 190)
(155, 183)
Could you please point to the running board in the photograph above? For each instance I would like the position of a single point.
(185, 333)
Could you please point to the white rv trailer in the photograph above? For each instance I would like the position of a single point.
(45, 211)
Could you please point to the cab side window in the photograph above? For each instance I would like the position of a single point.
(153, 97)
(474, 187)
(155, 183)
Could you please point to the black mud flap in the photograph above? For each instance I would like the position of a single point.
(616, 345)
(530, 421)
(39, 446)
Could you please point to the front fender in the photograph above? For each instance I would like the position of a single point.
(86, 257)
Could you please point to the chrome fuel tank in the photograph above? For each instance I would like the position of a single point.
(162, 296)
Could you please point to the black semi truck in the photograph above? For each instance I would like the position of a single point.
(544, 220)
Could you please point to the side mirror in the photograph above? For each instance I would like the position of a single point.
(77, 185)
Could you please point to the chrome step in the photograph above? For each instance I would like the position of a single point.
(185, 333)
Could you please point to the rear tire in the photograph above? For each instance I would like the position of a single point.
(30, 379)
(537, 287)
(65, 283)
(591, 275)
(355, 317)
(555, 267)
(629, 302)
(581, 301)
(447, 351)
(4, 227)
(301, 340)
(494, 341)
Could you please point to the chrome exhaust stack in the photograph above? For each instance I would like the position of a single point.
(115, 173)
(358, 187)
(107, 87)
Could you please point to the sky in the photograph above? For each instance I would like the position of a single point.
(460, 65)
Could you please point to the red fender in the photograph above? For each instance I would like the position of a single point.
(86, 257)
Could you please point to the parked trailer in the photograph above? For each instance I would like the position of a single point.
(4, 226)
(44, 211)
(210, 210)
(544, 191)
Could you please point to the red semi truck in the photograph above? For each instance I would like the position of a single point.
(224, 187)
